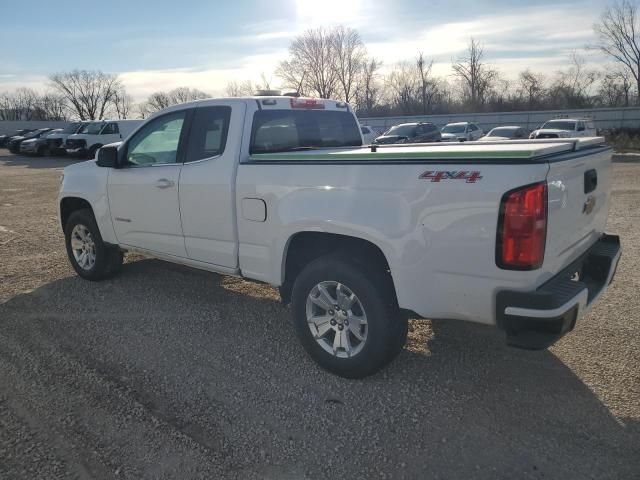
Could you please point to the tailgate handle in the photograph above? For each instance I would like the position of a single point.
(590, 180)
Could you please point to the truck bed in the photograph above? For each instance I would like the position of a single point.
(514, 151)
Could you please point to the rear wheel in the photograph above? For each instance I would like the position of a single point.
(347, 317)
(90, 257)
(43, 150)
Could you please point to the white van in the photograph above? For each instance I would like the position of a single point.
(94, 135)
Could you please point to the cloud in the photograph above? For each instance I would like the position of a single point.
(540, 37)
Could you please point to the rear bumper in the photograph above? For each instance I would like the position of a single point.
(537, 319)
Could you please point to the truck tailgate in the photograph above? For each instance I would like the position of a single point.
(579, 189)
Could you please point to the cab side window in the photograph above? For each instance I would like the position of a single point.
(208, 135)
(110, 129)
(157, 142)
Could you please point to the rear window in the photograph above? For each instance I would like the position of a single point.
(560, 125)
(208, 136)
(283, 130)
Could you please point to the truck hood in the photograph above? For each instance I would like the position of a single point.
(447, 137)
(79, 168)
(55, 136)
(557, 131)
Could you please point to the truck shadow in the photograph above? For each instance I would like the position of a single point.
(217, 360)
(14, 160)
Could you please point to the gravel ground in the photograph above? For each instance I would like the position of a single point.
(167, 372)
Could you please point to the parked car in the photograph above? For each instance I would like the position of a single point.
(461, 132)
(368, 135)
(4, 139)
(37, 146)
(14, 142)
(506, 133)
(353, 237)
(565, 128)
(55, 140)
(423, 132)
(94, 135)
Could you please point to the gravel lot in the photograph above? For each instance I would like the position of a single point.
(167, 372)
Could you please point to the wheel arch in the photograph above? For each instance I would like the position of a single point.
(68, 205)
(303, 247)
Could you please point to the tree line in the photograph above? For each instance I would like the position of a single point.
(335, 63)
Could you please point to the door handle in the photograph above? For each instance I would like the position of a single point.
(165, 183)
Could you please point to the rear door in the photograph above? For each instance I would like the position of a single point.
(579, 189)
(207, 188)
(143, 195)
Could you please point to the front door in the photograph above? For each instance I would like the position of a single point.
(143, 194)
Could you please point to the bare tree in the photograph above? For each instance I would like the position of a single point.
(428, 84)
(350, 55)
(160, 100)
(368, 88)
(122, 103)
(615, 88)
(186, 94)
(618, 38)
(476, 77)
(311, 67)
(21, 104)
(531, 86)
(242, 89)
(52, 106)
(403, 87)
(88, 93)
(572, 87)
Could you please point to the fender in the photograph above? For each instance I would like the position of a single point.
(89, 182)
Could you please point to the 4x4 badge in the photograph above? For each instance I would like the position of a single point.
(439, 175)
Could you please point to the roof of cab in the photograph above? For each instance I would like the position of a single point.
(266, 102)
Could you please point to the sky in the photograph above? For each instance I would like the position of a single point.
(201, 44)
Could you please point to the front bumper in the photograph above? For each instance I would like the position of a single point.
(76, 151)
(536, 320)
(27, 149)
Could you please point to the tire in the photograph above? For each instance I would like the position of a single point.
(385, 332)
(107, 260)
(92, 151)
(42, 151)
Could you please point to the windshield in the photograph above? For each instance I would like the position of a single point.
(402, 131)
(282, 130)
(92, 128)
(34, 134)
(560, 125)
(503, 132)
(71, 128)
(454, 128)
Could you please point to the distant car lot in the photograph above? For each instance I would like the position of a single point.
(170, 372)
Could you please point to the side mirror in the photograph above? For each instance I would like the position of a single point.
(108, 157)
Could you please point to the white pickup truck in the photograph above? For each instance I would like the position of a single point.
(358, 239)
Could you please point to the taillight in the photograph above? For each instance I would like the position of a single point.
(310, 103)
(522, 228)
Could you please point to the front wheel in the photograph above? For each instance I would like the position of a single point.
(90, 257)
(347, 317)
(91, 154)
